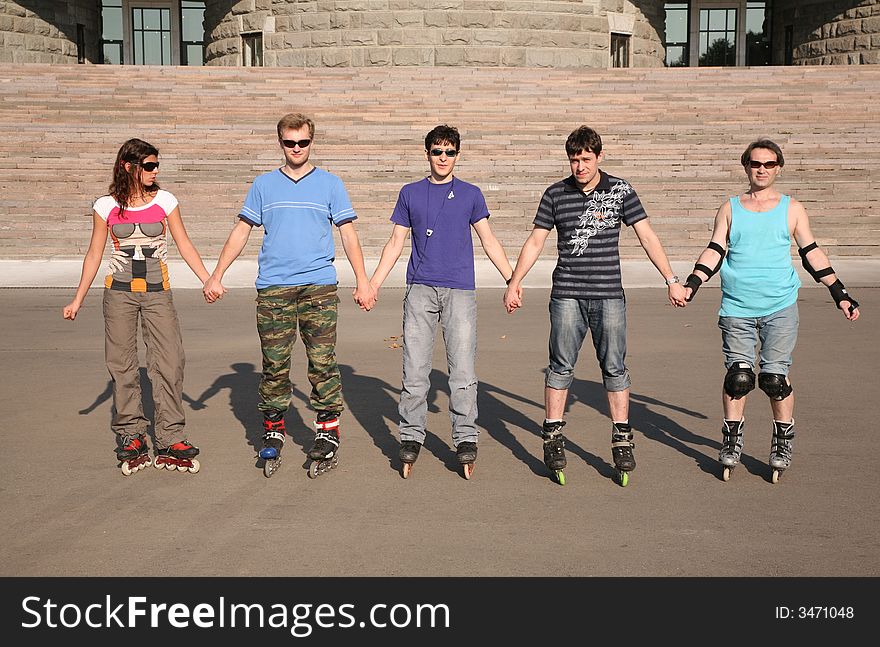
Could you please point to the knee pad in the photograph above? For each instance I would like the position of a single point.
(740, 379)
(774, 385)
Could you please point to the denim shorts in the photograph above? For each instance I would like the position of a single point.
(776, 332)
(605, 319)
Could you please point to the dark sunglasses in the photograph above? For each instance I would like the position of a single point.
(767, 165)
(290, 143)
(437, 152)
(149, 166)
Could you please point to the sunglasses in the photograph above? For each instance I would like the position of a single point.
(767, 165)
(149, 166)
(437, 152)
(290, 143)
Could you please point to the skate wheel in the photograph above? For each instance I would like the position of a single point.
(776, 475)
(726, 474)
(407, 470)
(468, 470)
(196, 466)
(313, 469)
(181, 468)
(170, 466)
(271, 466)
(560, 477)
(126, 470)
(157, 464)
(147, 462)
(623, 478)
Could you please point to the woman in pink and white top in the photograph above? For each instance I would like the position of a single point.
(136, 215)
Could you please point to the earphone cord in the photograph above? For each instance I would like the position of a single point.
(430, 231)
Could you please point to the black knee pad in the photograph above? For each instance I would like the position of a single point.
(774, 385)
(740, 379)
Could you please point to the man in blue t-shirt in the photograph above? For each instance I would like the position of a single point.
(751, 246)
(440, 211)
(588, 209)
(297, 205)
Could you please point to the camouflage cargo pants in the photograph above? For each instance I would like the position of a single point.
(312, 309)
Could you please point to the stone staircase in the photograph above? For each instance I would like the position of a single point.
(676, 134)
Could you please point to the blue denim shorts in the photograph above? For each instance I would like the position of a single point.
(605, 319)
(776, 332)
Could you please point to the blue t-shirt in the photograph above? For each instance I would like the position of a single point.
(296, 215)
(445, 257)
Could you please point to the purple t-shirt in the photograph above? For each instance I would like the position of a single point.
(445, 257)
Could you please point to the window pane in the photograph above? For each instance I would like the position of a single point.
(112, 23)
(717, 19)
(195, 55)
(152, 18)
(704, 19)
(152, 48)
(138, 49)
(676, 56)
(192, 27)
(137, 18)
(112, 54)
(676, 26)
(731, 19)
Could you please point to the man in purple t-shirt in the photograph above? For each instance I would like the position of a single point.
(440, 211)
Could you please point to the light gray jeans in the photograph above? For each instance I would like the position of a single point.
(456, 311)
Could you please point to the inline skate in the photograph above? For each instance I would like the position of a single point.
(323, 453)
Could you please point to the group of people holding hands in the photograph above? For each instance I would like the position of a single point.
(298, 204)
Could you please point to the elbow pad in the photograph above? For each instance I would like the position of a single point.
(816, 274)
(705, 269)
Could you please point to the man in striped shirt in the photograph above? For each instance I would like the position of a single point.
(587, 209)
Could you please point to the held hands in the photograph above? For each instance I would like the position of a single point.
(365, 296)
(213, 290)
(678, 295)
(513, 297)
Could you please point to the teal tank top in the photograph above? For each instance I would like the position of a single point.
(757, 275)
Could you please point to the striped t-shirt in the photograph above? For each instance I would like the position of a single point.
(588, 233)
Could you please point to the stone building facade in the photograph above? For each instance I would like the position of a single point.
(357, 33)
(532, 33)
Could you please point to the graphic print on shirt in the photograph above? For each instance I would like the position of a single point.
(138, 262)
(601, 212)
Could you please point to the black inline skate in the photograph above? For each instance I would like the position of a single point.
(466, 452)
(554, 448)
(622, 451)
(731, 446)
(781, 447)
(133, 455)
(409, 454)
(273, 441)
(323, 453)
(180, 456)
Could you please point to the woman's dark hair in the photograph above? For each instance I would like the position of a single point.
(126, 184)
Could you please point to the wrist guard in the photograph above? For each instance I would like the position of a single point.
(839, 293)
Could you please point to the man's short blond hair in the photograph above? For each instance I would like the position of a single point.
(295, 121)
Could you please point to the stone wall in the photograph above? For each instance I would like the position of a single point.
(829, 32)
(365, 33)
(43, 31)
